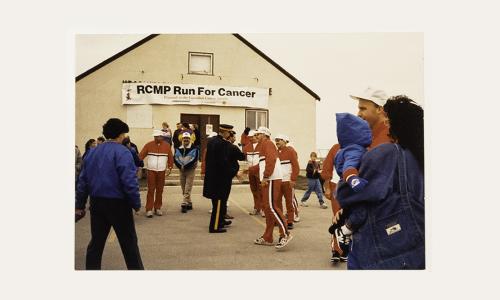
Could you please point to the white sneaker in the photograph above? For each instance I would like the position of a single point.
(296, 218)
(303, 203)
(149, 214)
(254, 212)
(158, 212)
(323, 205)
(262, 241)
(283, 241)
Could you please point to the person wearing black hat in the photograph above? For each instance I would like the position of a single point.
(218, 177)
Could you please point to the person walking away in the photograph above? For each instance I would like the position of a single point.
(290, 170)
(108, 177)
(186, 159)
(158, 156)
(313, 184)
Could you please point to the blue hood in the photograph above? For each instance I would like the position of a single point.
(352, 129)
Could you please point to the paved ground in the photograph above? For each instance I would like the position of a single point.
(177, 241)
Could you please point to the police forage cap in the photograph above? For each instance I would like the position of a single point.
(186, 135)
(282, 137)
(225, 127)
(377, 96)
(158, 133)
(264, 130)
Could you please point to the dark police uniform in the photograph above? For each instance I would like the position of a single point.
(219, 173)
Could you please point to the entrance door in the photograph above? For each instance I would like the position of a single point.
(202, 121)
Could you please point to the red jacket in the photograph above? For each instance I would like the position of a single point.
(289, 163)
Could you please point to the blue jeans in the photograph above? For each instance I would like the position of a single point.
(313, 185)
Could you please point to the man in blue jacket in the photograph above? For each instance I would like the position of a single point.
(186, 159)
(109, 178)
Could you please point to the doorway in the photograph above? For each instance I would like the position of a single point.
(202, 121)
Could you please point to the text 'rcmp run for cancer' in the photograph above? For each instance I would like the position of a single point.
(177, 90)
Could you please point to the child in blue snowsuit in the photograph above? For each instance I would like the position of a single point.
(354, 136)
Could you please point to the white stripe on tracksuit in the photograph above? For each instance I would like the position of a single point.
(294, 201)
(271, 189)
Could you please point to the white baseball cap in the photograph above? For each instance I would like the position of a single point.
(376, 96)
(264, 130)
(157, 132)
(186, 135)
(282, 137)
(251, 132)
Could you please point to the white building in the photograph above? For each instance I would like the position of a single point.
(205, 79)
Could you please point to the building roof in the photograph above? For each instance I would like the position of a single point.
(239, 37)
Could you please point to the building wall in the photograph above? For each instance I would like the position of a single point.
(292, 110)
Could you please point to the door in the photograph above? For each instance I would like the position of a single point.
(202, 121)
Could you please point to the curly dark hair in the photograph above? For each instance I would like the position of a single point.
(113, 128)
(246, 131)
(88, 143)
(406, 125)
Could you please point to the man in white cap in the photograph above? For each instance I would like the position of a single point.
(158, 156)
(186, 159)
(252, 157)
(290, 169)
(371, 109)
(270, 177)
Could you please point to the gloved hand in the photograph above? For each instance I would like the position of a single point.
(357, 183)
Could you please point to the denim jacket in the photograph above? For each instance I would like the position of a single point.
(392, 236)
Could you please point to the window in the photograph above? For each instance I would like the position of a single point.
(256, 118)
(201, 63)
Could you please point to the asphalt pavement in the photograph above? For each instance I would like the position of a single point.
(180, 241)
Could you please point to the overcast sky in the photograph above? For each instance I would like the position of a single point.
(332, 65)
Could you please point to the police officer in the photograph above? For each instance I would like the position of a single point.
(218, 177)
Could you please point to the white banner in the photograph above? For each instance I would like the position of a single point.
(193, 94)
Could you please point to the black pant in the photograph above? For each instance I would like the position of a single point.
(219, 210)
(117, 213)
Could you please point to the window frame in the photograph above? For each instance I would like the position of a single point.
(201, 54)
(257, 110)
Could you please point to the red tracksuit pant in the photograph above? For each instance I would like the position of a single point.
(156, 181)
(270, 200)
(256, 191)
(287, 192)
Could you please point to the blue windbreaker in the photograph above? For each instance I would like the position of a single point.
(108, 172)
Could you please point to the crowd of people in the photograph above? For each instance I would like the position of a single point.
(373, 178)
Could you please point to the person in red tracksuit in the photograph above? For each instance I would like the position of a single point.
(252, 157)
(159, 158)
(290, 169)
(270, 178)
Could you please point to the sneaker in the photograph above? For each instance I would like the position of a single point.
(342, 241)
(262, 214)
(283, 241)
(227, 222)
(303, 203)
(296, 218)
(149, 214)
(262, 241)
(228, 217)
(254, 212)
(158, 212)
(323, 205)
(343, 257)
(335, 257)
(290, 226)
